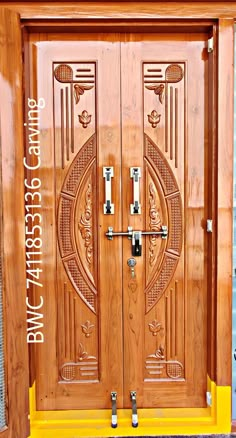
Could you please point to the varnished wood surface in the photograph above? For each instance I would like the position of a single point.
(225, 197)
(147, 10)
(12, 226)
(123, 349)
(191, 274)
(62, 322)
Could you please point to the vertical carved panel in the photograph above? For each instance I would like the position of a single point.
(73, 81)
(164, 136)
(165, 81)
(78, 363)
(75, 157)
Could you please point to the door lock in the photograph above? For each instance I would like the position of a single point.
(136, 237)
(137, 243)
(132, 263)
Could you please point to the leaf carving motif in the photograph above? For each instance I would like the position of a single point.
(155, 327)
(87, 328)
(84, 118)
(154, 118)
(84, 354)
(158, 90)
(79, 90)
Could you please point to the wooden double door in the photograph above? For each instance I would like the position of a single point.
(135, 104)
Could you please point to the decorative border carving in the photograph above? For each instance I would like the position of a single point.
(172, 198)
(154, 224)
(85, 225)
(85, 369)
(68, 197)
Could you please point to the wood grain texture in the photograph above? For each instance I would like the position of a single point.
(123, 10)
(225, 196)
(87, 365)
(12, 225)
(186, 330)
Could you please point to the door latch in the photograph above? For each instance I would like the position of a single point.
(137, 243)
(113, 409)
(135, 173)
(136, 237)
(108, 173)
(134, 409)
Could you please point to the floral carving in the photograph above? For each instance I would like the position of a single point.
(155, 327)
(84, 118)
(83, 354)
(79, 89)
(158, 90)
(85, 225)
(154, 118)
(159, 353)
(87, 328)
(155, 223)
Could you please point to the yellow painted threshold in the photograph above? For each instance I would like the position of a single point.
(166, 421)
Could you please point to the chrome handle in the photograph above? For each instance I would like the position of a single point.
(108, 173)
(135, 173)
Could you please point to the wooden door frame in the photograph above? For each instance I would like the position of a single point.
(220, 15)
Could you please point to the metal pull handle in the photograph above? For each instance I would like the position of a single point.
(134, 409)
(113, 409)
(108, 173)
(135, 173)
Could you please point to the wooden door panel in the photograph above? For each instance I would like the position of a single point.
(123, 101)
(82, 289)
(165, 320)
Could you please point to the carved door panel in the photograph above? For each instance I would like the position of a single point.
(122, 101)
(80, 361)
(164, 124)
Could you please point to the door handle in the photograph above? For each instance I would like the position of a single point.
(108, 207)
(135, 173)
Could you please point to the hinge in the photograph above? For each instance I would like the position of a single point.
(210, 45)
(209, 398)
(209, 225)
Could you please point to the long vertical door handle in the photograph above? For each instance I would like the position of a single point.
(108, 173)
(135, 173)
